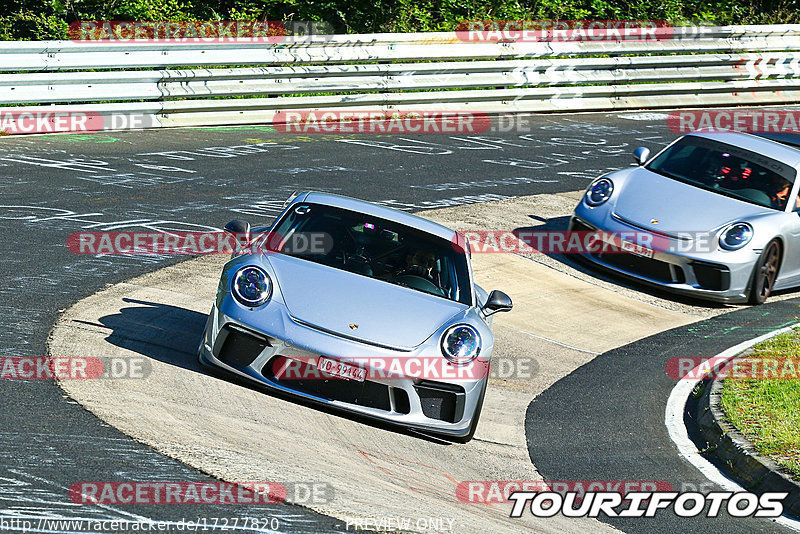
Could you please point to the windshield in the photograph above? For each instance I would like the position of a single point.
(727, 170)
(373, 247)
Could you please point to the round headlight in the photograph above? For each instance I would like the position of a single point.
(252, 286)
(736, 236)
(461, 344)
(599, 192)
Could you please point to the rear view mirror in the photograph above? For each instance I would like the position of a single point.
(497, 302)
(640, 155)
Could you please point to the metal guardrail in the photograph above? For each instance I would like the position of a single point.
(426, 71)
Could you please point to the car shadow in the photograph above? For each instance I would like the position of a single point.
(575, 261)
(165, 333)
(171, 335)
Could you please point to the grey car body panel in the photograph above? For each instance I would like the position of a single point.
(644, 200)
(349, 299)
(641, 195)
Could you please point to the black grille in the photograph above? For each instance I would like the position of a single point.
(401, 403)
(647, 267)
(712, 276)
(577, 225)
(444, 402)
(366, 393)
(237, 347)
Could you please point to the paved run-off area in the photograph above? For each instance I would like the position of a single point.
(239, 434)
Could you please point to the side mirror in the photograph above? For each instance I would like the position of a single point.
(239, 228)
(640, 155)
(497, 302)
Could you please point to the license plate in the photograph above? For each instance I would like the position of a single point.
(341, 369)
(634, 248)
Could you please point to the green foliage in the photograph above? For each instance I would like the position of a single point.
(151, 10)
(48, 19)
(27, 25)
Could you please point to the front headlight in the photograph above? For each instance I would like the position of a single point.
(599, 192)
(461, 344)
(251, 286)
(736, 236)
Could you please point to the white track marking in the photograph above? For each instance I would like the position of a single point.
(99, 505)
(673, 419)
(537, 336)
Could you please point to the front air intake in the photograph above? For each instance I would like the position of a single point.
(441, 401)
(239, 347)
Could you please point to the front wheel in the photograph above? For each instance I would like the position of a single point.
(765, 273)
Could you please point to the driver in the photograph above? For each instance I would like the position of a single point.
(779, 191)
(419, 262)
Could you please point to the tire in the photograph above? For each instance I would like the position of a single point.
(765, 273)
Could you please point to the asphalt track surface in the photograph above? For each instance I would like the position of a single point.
(196, 179)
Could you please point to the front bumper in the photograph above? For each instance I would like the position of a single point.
(719, 276)
(437, 406)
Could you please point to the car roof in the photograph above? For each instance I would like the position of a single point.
(368, 208)
(759, 144)
(789, 139)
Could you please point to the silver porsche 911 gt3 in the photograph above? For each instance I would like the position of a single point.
(714, 215)
(359, 307)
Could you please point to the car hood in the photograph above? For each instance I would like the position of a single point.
(332, 299)
(677, 207)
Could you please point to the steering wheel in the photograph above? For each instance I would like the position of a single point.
(358, 262)
(416, 281)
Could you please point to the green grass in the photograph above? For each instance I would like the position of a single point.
(767, 412)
